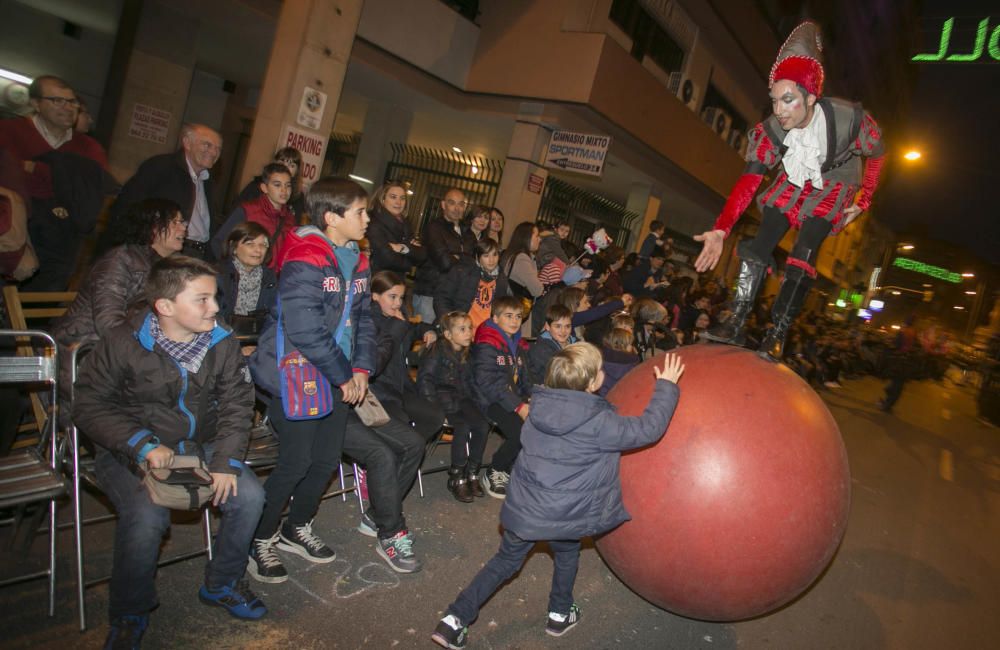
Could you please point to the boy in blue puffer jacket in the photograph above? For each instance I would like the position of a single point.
(565, 483)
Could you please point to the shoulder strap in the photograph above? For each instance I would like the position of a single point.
(345, 314)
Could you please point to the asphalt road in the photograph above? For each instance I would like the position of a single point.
(919, 566)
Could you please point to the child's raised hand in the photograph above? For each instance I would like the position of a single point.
(672, 368)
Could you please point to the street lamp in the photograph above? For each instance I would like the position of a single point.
(912, 155)
(968, 275)
(907, 247)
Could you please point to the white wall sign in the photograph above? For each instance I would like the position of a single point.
(149, 123)
(312, 146)
(577, 152)
(311, 108)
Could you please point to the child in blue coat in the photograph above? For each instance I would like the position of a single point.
(565, 483)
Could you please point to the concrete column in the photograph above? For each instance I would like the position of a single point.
(517, 199)
(384, 124)
(158, 78)
(312, 46)
(644, 200)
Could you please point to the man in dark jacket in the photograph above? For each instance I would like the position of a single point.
(183, 177)
(444, 245)
(177, 383)
(501, 387)
(565, 484)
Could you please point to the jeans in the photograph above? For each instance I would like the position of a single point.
(308, 455)
(391, 455)
(142, 525)
(510, 426)
(423, 306)
(893, 391)
(508, 561)
(468, 425)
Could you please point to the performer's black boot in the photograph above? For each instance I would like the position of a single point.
(794, 288)
(748, 282)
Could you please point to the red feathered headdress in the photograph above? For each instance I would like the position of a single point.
(799, 59)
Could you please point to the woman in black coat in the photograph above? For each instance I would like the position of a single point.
(395, 336)
(393, 245)
(247, 287)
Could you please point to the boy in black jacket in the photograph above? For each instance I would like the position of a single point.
(558, 333)
(501, 387)
(151, 391)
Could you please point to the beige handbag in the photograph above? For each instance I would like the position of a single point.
(185, 485)
(371, 411)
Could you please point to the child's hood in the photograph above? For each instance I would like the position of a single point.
(556, 411)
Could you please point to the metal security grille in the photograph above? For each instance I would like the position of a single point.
(341, 152)
(585, 211)
(428, 174)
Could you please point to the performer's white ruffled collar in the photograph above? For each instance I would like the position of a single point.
(806, 151)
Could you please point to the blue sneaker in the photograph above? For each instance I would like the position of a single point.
(237, 598)
(126, 632)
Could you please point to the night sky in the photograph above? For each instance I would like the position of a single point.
(954, 120)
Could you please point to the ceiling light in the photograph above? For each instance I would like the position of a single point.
(360, 179)
(13, 76)
(456, 150)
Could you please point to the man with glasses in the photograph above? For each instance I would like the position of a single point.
(443, 243)
(64, 174)
(183, 177)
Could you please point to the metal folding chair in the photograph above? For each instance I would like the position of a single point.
(80, 472)
(26, 477)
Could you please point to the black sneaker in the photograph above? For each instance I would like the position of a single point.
(301, 541)
(264, 564)
(397, 551)
(126, 632)
(495, 483)
(450, 633)
(555, 627)
(237, 598)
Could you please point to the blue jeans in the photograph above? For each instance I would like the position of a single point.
(423, 306)
(508, 561)
(142, 525)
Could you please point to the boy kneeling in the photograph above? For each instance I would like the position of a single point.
(565, 484)
(137, 397)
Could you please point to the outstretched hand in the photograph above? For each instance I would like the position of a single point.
(672, 368)
(711, 250)
(851, 213)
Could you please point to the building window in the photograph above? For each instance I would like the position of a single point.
(648, 37)
(715, 99)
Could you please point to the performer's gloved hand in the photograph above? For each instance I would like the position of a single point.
(711, 249)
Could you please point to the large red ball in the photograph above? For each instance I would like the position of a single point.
(741, 505)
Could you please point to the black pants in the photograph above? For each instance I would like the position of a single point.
(509, 424)
(426, 416)
(391, 455)
(468, 426)
(57, 244)
(508, 561)
(308, 455)
(773, 227)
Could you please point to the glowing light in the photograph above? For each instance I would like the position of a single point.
(896, 293)
(14, 76)
(912, 155)
(895, 327)
(475, 170)
(360, 179)
(456, 150)
(841, 303)
(968, 275)
(927, 269)
(959, 307)
(970, 293)
(908, 247)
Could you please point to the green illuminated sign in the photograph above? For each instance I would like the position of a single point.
(980, 44)
(927, 269)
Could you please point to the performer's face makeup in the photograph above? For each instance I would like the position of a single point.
(792, 109)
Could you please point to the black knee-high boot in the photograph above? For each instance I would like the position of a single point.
(748, 283)
(794, 288)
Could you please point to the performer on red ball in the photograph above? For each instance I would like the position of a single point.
(823, 185)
